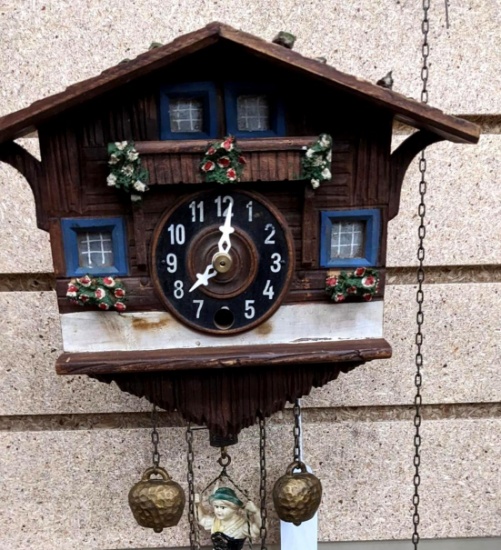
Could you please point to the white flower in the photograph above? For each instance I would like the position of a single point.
(329, 155)
(309, 153)
(70, 294)
(304, 147)
(135, 198)
(132, 155)
(315, 184)
(128, 170)
(113, 159)
(140, 186)
(121, 145)
(318, 161)
(326, 174)
(111, 180)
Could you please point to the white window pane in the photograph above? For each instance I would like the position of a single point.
(186, 115)
(95, 249)
(347, 239)
(253, 113)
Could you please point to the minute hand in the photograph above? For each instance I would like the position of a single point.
(224, 244)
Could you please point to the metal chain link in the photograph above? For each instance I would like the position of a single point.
(262, 485)
(425, 27)
(297, 430)
(192, 519)
(155, 439)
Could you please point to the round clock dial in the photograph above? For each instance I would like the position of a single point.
(222, 260)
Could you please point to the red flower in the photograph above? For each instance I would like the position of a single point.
(85, 280)
(210, 150)
(351, 290)
(232, 175)
(103, 305)
(331, 281)
(369, 281)
(208, 166)
(360, 272)
(119, 292)
(120, 306)
(339, 298)
(242, 160)
(223, 162)
(84, 298)
(228, 143)
(367, 297)
(100, 293)
(109, 281)
(72, 288)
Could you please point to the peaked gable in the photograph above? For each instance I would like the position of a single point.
(406, 110)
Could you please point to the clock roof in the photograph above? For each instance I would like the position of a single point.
(406, 110)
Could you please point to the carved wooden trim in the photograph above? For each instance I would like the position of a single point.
(31, 169)
(309, 226)
(139, 235)
(228, 400)
(201, 145)
(114, 362)
(400, 161)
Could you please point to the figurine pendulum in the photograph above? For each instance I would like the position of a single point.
(230, 522)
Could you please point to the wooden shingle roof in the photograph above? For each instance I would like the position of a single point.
(406, 110)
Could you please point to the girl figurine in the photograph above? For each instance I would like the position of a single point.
(230, 522)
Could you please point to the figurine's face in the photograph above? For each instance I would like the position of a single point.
(222, 511)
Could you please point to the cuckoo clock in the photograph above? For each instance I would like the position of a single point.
(219, 229)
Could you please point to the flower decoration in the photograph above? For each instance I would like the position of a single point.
(361, 283)
(126, 172)
(103, 292)
(223, 162)
(317, 160)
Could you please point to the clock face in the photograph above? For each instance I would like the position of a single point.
(222, 260)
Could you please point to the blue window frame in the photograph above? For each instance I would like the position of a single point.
(94, 246)
(188, 111)
(350, 238)
(253, 111)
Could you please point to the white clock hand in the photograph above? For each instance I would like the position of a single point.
(203, 278)
(224, 243)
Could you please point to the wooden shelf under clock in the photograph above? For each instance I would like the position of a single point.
(308, 353)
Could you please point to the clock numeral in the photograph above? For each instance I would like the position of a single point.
(177, 233)
(249, 208)
(200, 304)
(178, 289)
(250, 310)
(269, 239)
(268, 290)
(276, 266)
(171, 260)
(197, 211)
(220, 202)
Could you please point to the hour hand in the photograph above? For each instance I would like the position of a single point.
(203, 278)
(224, 243)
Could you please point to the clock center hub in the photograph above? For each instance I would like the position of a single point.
(222, 262)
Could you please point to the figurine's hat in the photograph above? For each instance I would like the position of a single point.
(225, 493)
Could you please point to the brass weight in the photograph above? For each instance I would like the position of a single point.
(297, 495)
(157, 503)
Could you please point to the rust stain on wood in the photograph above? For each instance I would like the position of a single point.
(144, 324)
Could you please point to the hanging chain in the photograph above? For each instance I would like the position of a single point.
(155, 439)
(192, 519)
(297, 430)
(425, 27)
(262, 485)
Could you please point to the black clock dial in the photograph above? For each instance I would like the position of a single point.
(222, 260)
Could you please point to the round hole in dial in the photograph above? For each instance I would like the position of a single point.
(224, 318)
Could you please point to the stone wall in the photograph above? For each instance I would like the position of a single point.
(72, 447)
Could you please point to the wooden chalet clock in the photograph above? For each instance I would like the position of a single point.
(218, 284)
